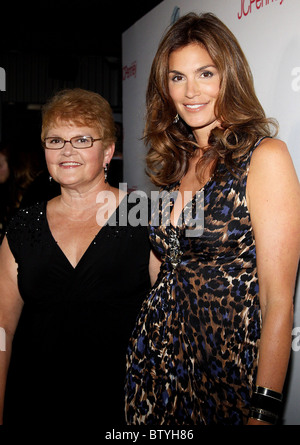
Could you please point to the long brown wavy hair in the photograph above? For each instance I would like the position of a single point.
(239, 111)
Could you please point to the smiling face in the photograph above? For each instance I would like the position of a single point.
(72, 167)
(194, 85)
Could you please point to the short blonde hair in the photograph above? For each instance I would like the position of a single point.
(82, 108)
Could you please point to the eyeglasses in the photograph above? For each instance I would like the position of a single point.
(56, 143)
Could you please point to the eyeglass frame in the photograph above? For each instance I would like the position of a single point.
(70, 141)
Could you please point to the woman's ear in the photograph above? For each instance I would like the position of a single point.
(108, 153)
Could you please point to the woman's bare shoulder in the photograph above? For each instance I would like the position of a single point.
(271, 155)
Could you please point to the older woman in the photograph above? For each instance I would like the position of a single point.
(71, 278)
(213, 340)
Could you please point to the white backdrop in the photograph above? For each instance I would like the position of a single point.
(269, 33)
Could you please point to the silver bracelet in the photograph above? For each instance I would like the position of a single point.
(268, 393)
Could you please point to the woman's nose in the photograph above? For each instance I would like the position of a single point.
(68, 148)
(192, 88)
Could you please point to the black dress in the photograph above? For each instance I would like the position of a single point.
(68, 359)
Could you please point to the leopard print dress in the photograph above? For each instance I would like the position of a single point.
(193, 355)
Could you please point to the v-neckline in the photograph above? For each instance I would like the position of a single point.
(176, 189)
(103, 228)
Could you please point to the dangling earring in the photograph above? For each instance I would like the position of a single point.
(105, 172)
(176, 119)
(50, 178)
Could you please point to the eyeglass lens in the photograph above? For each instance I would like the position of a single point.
(55, 143)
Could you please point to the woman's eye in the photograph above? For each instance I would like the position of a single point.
(176, 78)
(55, 141)
(206, 74)
(80, 140)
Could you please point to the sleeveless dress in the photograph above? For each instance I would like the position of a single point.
(68, 356)
(193, 355)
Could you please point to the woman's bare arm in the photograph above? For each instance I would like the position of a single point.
(11, 305)
(273, 197)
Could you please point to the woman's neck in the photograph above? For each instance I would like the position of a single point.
(80, 200)
(99, 203)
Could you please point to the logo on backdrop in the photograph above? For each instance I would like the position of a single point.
(175, 15)
(129, 71)
(248, 6)
(2, 79)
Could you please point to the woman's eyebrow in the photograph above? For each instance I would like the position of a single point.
(205, 67)
(201, 68)
(175, 72)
